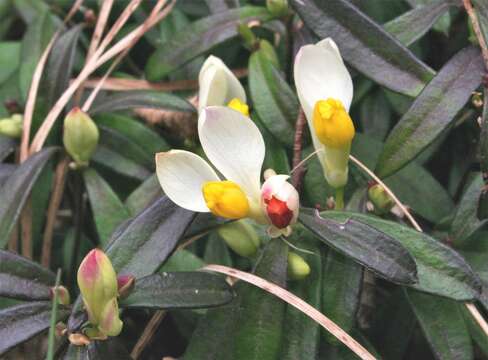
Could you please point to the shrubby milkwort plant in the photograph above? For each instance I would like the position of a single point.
(253, 179)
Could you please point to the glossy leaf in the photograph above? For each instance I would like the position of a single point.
(16, 190)
(148, 192)
(200, 37)
(174, 290)
(370, 247)
(21, 322)
(23, 279)
(128, 100)
(432, 111)
(443, 325)
(440, 269)
(358, 37)
(272, 98)
(108, 210)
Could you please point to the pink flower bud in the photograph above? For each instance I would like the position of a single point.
(281, 204)
(125, 284)
(63, 294)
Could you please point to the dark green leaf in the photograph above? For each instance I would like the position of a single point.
(272, 98)
(432, 111)
(216, 251)
(477, 334)
(481, 8)
(21, 322)
(108, 210)
(148, 192)
(21, 278)
(5, 171)
(16, 190)
(127, 100)
(76, 353)
(9, 59)
(440, 269)
(174, 290)
(7, 146)
(388, 62)
(113, 160)
(182, 260)
(372, 248)
(443, 325)
(375, 115)
(113, 348)
(200, 37)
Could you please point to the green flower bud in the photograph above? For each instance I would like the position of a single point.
(277, 8)
(241, 237)
(247, 35)
(269, 52)
(381, 200)
(80, 136)
(63, 295)
(12, 127)
(98, 286)
(297, 267)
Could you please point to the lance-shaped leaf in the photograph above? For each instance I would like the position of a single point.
(433, 110)
(199, 37)
(145, 194)
(372, 248)
(388, 62)
(272, 98)
(440, 269)
(412, 25)
(127, 100)
(21, 278)
(5, 171)
(21, 322)
(16, 190)
(108, 210)
(175, 290)
(7, 146)
(443, 325)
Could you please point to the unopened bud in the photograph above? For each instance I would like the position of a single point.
(80, 136)
(277, 8)
(63, 295)
(247, 35)
(297, 267)
(12, 126)
(125, 284)
(381, 200)
(241, 237)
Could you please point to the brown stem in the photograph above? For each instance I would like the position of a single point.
(477, 30)
(148, 333)
(56, 197)
(299, 172)
(26, 229)
(13, 243)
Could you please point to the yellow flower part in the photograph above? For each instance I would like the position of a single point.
(332, 123)
(238, 105)
(225, 199)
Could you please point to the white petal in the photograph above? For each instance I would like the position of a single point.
(181, 175)
(218, 85)
(234, 145)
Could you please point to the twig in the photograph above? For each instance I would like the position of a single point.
(471, 307)
(299, 304)
(26, 229)
(477, 30)
(148, 333)
(56, 197)
(297, 176)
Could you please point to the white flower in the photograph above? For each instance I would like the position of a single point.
(218, 85)
(325, 90)
(234, 145)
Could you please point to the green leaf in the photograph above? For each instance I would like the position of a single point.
(477, 334)
(9, 59)
(148, 192)
(370, 247)
(177, 290)
(341, 289)
(127, 100)
(481, 9)
(440, 269)
(108, 210)
(183, 260)
(23, 279)
(112, 348)
(375, 115)
(21, 322)
(412, 25)
(7, 146)
(432, 111)
(272, 98)
(141, 245)
(16, 190)
(388, 63)
(443, 325)
(200, 37)
(113, 160)
(216, 251)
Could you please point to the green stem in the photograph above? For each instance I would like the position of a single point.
(339, 199)
(52, 328)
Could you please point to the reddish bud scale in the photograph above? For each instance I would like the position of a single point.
(278, 212)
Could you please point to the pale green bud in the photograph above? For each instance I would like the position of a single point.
(12, 126)
(277, 8)
(80, 136)
(241, 237)
(381, 200)
(297, 267)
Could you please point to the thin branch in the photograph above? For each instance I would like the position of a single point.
(56, 197)
(477, 30)
(148, 333)
(297, 176)
(471, 307)
(299, 304)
